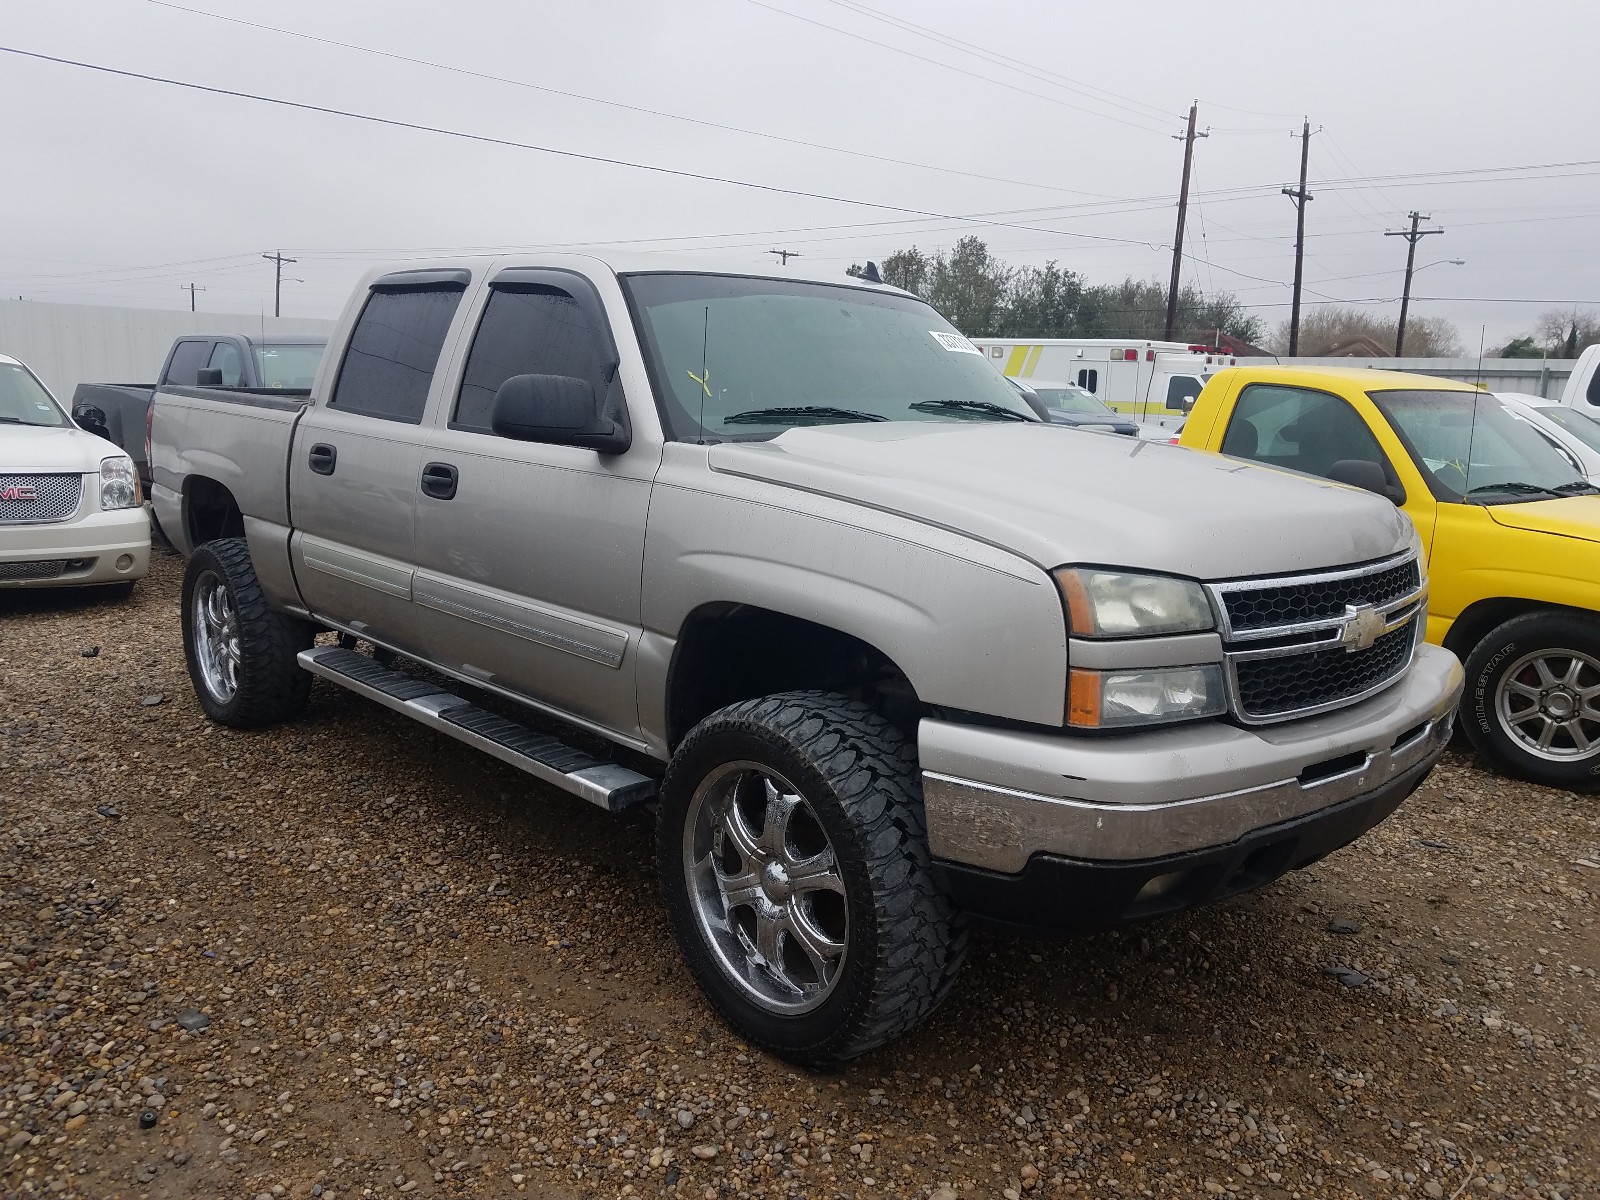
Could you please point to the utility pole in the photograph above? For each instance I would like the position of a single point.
(191, 289)
(277, 283)
(1301, 198)
(1412, 237)
(785, 255)
(1183, 211)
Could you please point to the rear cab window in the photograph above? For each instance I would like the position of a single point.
(188, 356)
(394, 349)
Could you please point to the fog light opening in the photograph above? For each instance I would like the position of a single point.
(124, 561)
(1160, 886)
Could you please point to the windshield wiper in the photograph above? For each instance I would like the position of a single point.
(814, 413)
(971, 406)
(1578, 487)
(12, 420)
(1514, 487)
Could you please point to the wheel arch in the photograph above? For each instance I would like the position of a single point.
(1483, 617)
(726, 652)
(210, 511)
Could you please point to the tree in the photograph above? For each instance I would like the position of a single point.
(968, 286)
(1041, 302)
(983, 296)
(1324, 328)
(1567, 333)
(1522, 347)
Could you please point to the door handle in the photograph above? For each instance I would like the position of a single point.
(439, 481)
(322, 458)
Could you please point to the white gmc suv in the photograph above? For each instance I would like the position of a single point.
(70, 509)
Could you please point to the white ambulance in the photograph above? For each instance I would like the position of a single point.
(1153, 382)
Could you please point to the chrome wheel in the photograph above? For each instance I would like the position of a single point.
(216, 637)
(1549, 703)
(765, 887)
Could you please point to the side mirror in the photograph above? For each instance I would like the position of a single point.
(208, 377)
(1367, 475)
(556, 409)
(91, 420)
(1180, 403)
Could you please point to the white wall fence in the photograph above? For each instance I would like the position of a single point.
(69, 344)
(1534, 376)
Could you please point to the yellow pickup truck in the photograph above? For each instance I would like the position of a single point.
(1510, 527)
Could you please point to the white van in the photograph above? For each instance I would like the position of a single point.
(70, 508)
(1153, 382)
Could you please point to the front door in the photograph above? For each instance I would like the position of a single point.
(529, 562)
(356, 460)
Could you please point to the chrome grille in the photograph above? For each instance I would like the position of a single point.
(1296, 603)
(15, 572)
(1272, 687)
(35, 498)
(1303, 644)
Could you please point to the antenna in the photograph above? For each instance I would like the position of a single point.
(705, 374)
(1472, 430)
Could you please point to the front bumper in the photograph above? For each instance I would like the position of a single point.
(101, 547)
(996, 799)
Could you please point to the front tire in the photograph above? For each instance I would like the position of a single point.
(240, 652)
(794, 864)
(1533, 699)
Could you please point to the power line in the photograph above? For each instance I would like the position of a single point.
(1043, 74)
(633, 108)
(949, 66)
(487, 140)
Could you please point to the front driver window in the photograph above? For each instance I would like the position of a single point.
(1298, 429)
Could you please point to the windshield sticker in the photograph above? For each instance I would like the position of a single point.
(953, 342)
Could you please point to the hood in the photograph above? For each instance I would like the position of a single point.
(1056, 496)
(1573, 517)
(64, 449)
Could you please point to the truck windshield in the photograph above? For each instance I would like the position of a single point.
(24, 400)
(1581, 426)
(1469, 447)
(288, 366)
(1072, 400)
(739, 357)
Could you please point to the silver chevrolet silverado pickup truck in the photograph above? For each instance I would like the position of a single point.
(904, 656)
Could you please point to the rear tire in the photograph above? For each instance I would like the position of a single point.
(240, 652)
(1526, 684)
(822, 934)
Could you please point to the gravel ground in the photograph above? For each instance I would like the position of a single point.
(349, 957)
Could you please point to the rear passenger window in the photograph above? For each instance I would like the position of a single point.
(227, 359)
(187, 359)
(393, 353)
(528, 329)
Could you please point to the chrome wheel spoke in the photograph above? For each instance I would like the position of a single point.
(817, 873)
(1582, 741)
(1522, 689)
(823, 951)
(1548, 733)
(775, 824)
(741, 889)
(1547, 677)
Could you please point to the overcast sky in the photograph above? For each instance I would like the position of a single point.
(119, 191)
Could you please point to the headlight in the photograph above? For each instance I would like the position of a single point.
(119, 483)
(1116, 699)
(1111, 604)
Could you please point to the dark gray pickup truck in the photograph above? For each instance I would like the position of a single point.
(119, 412)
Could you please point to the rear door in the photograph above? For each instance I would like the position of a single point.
(530, 559)
(357, 458)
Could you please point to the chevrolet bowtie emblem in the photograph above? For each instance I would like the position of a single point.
(1362, 627)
